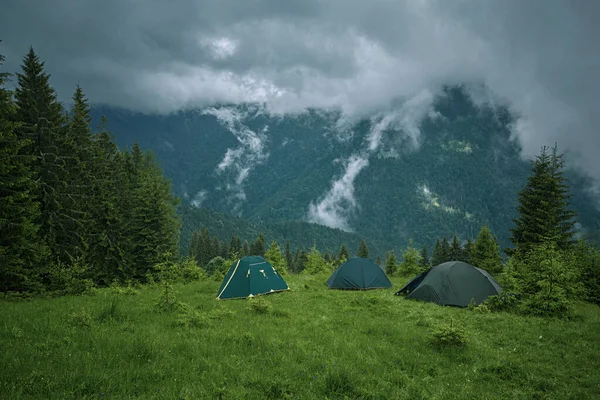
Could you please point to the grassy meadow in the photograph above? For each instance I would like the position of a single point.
(307, 343)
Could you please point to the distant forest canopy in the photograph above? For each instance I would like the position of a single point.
(465, 174)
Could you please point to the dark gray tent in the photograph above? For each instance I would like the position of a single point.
(359, 274)
(453, 283)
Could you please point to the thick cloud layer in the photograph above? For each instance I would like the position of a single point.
(541, 56)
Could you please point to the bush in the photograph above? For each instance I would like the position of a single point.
(191, 272)
(259, 305)
(81, 319)
(190, 318)
(502, 302)
(69, 279)
(449, 336)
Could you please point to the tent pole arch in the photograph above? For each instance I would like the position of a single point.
(231, 276)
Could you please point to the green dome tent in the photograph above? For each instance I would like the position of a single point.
(250, 276)
(359, 274)
(453, 283)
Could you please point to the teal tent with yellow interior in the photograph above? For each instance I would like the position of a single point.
(250, 276)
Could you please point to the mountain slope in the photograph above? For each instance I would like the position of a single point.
(421, 170)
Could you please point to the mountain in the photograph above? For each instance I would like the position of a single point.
(421, 170)
(302, 235)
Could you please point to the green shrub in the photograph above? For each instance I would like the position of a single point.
(259, 305)
(191, 272)
(81, 319)
(449, 336)
(190, 318)
(502, 302)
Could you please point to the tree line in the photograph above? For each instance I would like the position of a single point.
(75, 210)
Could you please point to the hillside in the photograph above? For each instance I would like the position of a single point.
(399, 175)
(302, 235)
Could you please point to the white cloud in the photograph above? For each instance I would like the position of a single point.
(241, 160)
(334, 208)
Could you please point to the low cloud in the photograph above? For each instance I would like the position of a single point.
(237, 163)
(538, 57)
(339, 202)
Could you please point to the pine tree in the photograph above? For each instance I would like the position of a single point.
(363, 250)
(391, 266)
(314, 262)
(245, 249)
(455, 253)
(107, 230)
(544, 213)
(446, 249)
(21, 248)
(235, 246)
(258, 247)
(485, 253)
(42, 123)
(438, 253)
(467, 250)
(274, 256)
(424, 258)
(288, 256)
(343, 255)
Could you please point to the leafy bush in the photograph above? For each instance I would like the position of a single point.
(449, 336)
(259, 305)
(81, 319)
(191, 272)
(502, 302)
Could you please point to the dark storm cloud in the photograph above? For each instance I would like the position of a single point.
(540, 57)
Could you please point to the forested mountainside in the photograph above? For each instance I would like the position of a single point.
(301, 235)
(409, 173)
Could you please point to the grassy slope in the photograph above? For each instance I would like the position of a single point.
(314, 343)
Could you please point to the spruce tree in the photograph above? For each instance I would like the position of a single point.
(424, 258)
(438, 253)
(41, 122)
(446, 250)
(363, 250)
(485, 253)
(343, 255)
(391, 266)
(245, 249)
(467, 250)
(274, 256)
(544, 213)
(258, 247)
(288, 255)
(455, 253)
(21, 248)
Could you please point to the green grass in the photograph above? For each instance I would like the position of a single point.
(308, 343)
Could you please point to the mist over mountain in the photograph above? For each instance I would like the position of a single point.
(425, 168)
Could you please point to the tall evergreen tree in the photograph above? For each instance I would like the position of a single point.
(485, 253)
(363, 250)
(274, 256)
(258, 247)
(391, 266)
(42, 123)
(107, 230)
(438, 253)
(235, 246)
(455, 253)
(467, 250)
(245, 249)
(446, 249)
(544, 213)
(424, 258)
(343, 255)
(21, 248)
(288, 255)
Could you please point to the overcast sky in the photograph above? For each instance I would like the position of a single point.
(541, 57)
